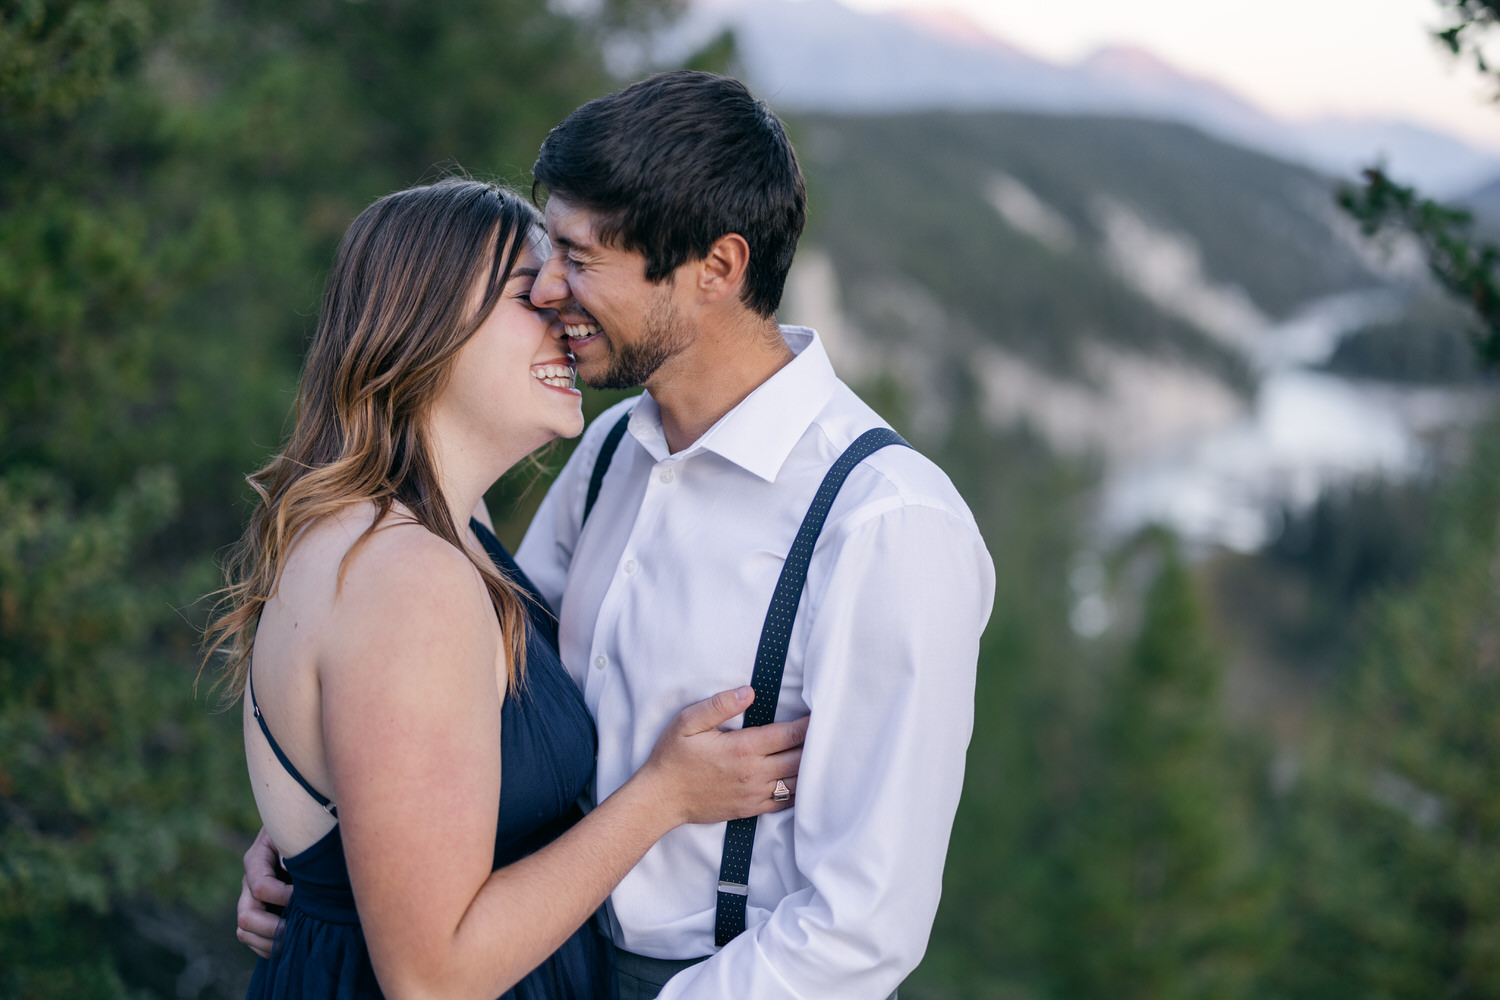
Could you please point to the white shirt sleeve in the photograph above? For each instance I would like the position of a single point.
(889, 678)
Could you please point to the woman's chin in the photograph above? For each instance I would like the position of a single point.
(571, 425)
(568, 427)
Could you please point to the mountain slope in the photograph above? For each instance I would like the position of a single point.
(1052, 267)
(817, 55)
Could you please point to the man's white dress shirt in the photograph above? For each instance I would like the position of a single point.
(661, 600)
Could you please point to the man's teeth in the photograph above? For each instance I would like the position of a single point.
(558, 375)
(581, 330)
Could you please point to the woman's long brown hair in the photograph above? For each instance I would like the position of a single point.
(395, 312)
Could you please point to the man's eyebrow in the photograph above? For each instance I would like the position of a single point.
(569, 243)
(523, 272)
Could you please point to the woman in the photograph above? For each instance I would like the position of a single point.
(401, 665)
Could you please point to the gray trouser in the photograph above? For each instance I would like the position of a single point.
(641, 978)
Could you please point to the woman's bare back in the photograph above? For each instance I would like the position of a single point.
(298, 625)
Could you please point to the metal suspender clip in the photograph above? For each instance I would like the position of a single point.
(734, 888)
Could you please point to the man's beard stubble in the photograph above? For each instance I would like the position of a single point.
(632, 365)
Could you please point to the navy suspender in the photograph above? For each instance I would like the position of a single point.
(770, 660)
(770, 657)
(601, 464)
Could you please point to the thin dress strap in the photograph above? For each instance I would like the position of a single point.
(542, 617)
(318, 796)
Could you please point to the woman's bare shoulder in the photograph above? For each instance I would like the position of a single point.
(402, 555)
(403, 589)
(399, 555)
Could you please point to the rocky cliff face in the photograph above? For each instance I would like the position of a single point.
(1111, 282)
(1134, 293)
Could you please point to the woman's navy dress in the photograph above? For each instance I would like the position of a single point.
(547, 747)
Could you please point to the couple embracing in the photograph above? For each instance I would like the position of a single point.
(704, 734)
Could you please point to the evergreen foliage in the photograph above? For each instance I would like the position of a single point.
(173, 178)
(113, 784)
(1109, 841)
(1466, 266)
(1393, 846)
(1156, 889)
(1470, 22)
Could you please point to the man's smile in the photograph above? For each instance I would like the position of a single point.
(581, 333)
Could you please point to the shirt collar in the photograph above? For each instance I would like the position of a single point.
(759, 433)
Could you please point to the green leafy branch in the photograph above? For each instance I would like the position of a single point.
(1468, 269)
(1471, 20)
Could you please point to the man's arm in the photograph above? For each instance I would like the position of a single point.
(889, 678)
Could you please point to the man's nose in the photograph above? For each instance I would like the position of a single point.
(550, 289)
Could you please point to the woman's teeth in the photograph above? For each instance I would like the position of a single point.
(560, 376)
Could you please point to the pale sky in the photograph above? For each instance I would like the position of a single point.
(1295, 58)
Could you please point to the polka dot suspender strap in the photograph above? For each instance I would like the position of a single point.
(770, 659)
(601, 464)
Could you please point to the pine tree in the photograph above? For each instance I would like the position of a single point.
(113, 782)
(1395, 844)
(1157, 887)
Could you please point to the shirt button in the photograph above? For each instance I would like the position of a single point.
(667, 475)
(630, 566)
(600, 662)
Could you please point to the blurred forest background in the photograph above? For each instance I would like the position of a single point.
(1257, 763)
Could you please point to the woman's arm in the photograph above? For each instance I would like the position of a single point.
(534, 904)
(411, 716)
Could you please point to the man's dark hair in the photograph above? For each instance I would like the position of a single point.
(676, 161)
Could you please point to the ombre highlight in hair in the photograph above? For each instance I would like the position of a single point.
(395, 312)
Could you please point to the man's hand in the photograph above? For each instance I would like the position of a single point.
(263, 892)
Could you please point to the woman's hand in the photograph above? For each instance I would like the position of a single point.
(703, 774)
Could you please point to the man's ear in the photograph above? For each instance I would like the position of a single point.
(722, 272)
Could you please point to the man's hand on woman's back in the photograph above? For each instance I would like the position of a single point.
(264, 886)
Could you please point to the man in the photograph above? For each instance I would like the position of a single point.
(674, 210)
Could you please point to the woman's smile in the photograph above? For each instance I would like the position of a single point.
(558, 374)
